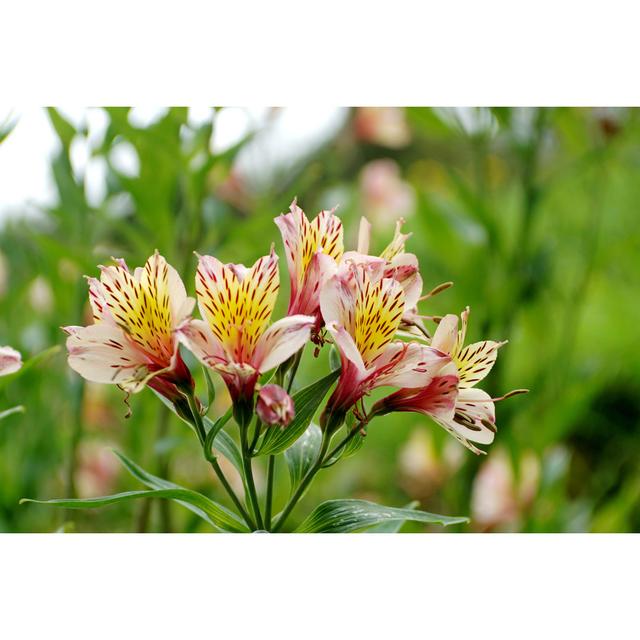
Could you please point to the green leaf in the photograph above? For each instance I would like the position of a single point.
(213, 428)
(226, 445)
(392, 526)
(65, 130)
(342, 516)
(302, 455)
(8, 412)
(217, 515)
(6, 127)
(208, 507)
(306, 402)
(334, 358)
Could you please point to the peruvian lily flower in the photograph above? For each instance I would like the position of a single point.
(235, 338)
(10, 361)
(313, 250)
(466, 413)
(394, 263)
(363, 313)
(132, 342)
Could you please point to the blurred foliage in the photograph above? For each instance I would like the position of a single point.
(531, 212)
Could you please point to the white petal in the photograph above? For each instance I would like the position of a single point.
(102, 353)
(416, 365)
(444, 339)
(337, 301)
(474, 407)
(364, 235)
(281, 340)
(198, 338)
(346, 346)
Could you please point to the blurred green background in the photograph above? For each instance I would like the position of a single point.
(533, 213)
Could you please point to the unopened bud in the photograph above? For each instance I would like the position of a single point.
(275, 406)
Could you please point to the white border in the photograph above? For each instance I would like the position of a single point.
(308, 587)
(459, 52)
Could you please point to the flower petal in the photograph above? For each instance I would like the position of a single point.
(346, 346)
(141, 307)
(410, 365)
(364, 236)
(103, 353)
(307, 300)
(281, 340)
(303, 239)
(445, 336)
(237, 310)
(196, 335)
(476, 360)
(473, 419)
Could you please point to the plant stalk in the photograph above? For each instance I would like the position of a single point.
(200, 430)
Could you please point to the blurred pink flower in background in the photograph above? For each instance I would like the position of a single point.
(385, 126)
(10, 360)
(97, 470)
(385, 197)
(498, 499)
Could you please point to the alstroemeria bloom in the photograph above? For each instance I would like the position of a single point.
(394, 263)
(132, 342)
(313, 250)
(466, 413)
(10, 361)
(275, 406)
(235, 338)
(363, 314)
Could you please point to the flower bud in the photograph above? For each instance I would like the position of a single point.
(275, 406)
(10, 361)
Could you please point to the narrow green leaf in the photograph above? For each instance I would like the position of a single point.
(213, 428)
(64, 129)
(303, 453)
(306, 403)
(392, 526)
(181, 496)
(342, 516)
(225, 520)
(225, 444)
(8, 412)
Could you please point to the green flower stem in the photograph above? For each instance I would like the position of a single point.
(248, 474)
(304, 483)
(344, 442)
(200, 430)
(323, 456)
(256, 435)
(271, 466)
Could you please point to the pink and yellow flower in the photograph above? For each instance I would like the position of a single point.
(235, 338)
(468, 414)
(132, 342)
(394, 262)
(313, 250)
(363, 313)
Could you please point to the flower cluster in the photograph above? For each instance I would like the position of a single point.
(365, 305)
